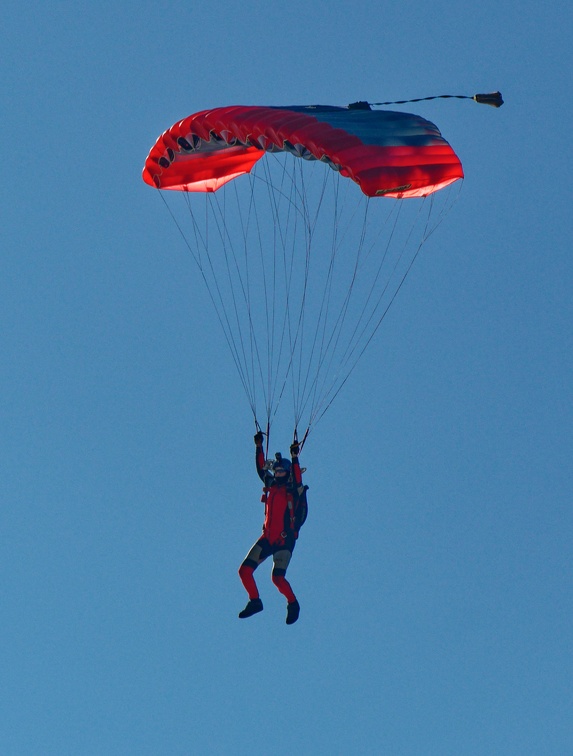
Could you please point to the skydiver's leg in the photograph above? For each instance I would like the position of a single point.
(258, 553)
(281, 561)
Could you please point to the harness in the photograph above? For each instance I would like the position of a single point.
(292, 510)
(294, 501)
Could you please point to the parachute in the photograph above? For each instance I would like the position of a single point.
(386, 153)
(304, 222)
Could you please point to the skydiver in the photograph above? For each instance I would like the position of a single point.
(285, 511)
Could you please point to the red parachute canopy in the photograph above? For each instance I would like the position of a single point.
(386, 153)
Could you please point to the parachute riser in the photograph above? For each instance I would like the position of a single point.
(295, 438)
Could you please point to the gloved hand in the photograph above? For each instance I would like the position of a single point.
(294, 449)
(258, 438)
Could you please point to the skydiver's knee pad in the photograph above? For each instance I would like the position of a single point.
(281, 560)
(256, 555)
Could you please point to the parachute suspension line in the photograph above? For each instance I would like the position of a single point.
(196, 256)
(213, 291)
(255, 359)
(360, 327)
(299, 211)
(272, 311)
(364, 331)
(236, 287)
(275, 323)
(263, 369)
(274, 326)
(272, 302)
(332, 347)
(298, 347)
(325, 388)
(298, 216)
(212, 204)
(395, 292)
(381, 317)
(297, 344)
(446, 209)
(363, 328)
(283, 268)
(284, 189)
(324, 312)
(296, 322)
(325, 333)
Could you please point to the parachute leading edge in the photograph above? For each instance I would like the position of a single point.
(387, 153)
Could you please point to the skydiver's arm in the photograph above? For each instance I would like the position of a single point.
(296, 472)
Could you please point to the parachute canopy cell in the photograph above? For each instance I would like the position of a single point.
(387, 153)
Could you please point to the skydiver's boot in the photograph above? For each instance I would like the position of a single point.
(293, 610)
(253, 607)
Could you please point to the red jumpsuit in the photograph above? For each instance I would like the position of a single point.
(279, 525)
(280, 528)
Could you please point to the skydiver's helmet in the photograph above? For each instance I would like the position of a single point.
(281, 469)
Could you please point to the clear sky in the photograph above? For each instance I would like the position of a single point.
(434, 573)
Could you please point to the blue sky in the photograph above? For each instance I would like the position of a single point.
(434, 572)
